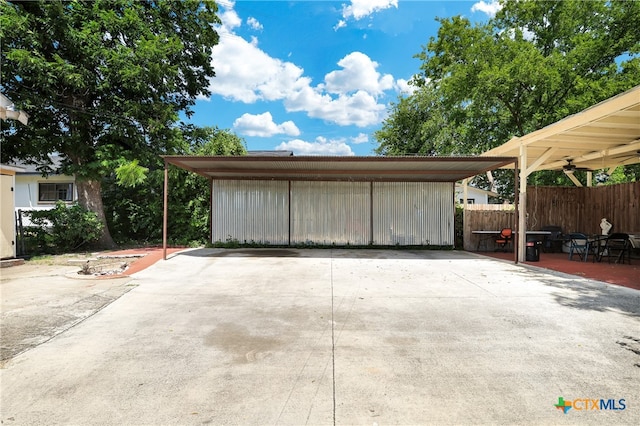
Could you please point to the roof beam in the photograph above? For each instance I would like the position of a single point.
(604, 155)
(573, 179)
(541, 159)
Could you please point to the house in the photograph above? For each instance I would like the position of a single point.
(474, 195)
(33, 191)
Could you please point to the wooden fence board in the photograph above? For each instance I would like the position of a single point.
(572, 208)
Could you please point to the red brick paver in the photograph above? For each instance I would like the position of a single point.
(149, 256)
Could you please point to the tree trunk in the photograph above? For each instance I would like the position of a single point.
(90, 197)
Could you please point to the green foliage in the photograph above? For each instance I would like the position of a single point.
(413, 126)
(458, 228)
(535, 63)
(62, 229)
(135, 213)
(103, 81)
(131, 174)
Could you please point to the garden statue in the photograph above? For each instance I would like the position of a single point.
(605, 226)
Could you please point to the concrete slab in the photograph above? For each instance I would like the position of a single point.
(264, 336)
(40, 300)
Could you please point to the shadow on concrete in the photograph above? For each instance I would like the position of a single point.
(327, 253)
(587, 294)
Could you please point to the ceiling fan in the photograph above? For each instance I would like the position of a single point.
(570, 167)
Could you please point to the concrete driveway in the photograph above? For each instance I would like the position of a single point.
(342, 337)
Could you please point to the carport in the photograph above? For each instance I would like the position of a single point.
(286, 191)
(604, 136)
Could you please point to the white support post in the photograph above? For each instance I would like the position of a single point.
(522, 208)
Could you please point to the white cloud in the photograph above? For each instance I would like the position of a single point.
(360, 109)
(403, 86)
(254, 23)
(359, 9)
(227, 4)
(321, 146)
(361, 138)
(247, 74)
(262, 125)
(348, 96)
(358, 73)
(229, 17)
(341, 24)
(490, 8)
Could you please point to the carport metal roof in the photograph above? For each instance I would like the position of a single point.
(368, 169)
(603, 136)
(383, 169)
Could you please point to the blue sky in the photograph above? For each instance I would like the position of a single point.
(317, 77)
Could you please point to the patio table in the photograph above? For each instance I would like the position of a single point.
(484, 236)
(634, 237)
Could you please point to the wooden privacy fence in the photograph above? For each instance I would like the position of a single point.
(574, 209)
(486, 220)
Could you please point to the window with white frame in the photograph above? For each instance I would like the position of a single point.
(51, 192)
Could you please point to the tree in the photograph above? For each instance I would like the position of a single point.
(103, 81)
(412, 126)
(134, 212)
(535, 63)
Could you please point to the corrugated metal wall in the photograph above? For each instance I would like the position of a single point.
(330, 212)
(249, 211)
(404, 213)
(413, 213)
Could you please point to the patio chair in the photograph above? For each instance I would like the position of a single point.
(579, 244)
(505, 237)
(617, 246)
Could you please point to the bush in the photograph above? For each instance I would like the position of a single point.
(63, 228)
(458, 228)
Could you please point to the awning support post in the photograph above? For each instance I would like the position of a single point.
(521, 214)
(165, 210)
(516, 203)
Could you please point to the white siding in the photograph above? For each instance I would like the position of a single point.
(330, 212)
(250, 211)
(27, 190)
(413, 213)
(341, 213)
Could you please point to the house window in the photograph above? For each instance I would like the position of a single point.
(469, 200)
(55, 191)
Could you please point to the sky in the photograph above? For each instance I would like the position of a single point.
(317, 77)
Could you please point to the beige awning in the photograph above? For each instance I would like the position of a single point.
(603, 136)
